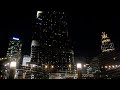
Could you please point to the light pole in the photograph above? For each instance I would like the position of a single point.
(79, 67)
(46, 71)
(51, 71)
(52, 67)
(12, 69)
(70, 67)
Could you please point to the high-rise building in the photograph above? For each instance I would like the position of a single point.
(107, 45)
(107, 63)
(14, 50)
(51, 44)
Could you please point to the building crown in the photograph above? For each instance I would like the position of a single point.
(104, 35)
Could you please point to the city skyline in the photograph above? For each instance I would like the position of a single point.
(85, 31)
(58, 43)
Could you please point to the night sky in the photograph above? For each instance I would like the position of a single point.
(85, 31)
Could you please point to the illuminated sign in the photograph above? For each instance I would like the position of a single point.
(15, 38)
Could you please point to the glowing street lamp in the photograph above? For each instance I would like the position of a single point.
(12, 69)
(13, 64)
(69, 65)
(52, 66)
(46, 66)
(84, 65)
(79, 67)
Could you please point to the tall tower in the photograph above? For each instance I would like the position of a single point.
(107, 45)
(14, 50)
(51, 32)
(35, 50)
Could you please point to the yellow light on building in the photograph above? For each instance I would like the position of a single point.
(104, 35)
(69, 65)
(46, 66)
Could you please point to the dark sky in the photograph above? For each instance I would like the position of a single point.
(85, 31)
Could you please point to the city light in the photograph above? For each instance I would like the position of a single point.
(84, 65)
(69, 65)
(46, 66)
(105, 66)
(15, 38)
(113, 66)
(34, 65)
(13, 64)
(38, 13)
(52, 66)
(6, 64)
(52, 53)
(79, 66)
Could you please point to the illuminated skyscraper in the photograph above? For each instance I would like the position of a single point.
(51, 34)
(107, 45)
(14, 50)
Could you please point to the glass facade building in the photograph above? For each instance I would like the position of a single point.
(50, 42)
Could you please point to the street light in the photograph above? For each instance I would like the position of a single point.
(13, 64)
(79, 67)
(52, 66)
(69, 65)
(46, 66)
(84, 65)
(12, 69)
